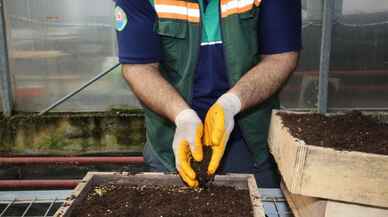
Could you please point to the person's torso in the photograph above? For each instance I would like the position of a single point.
(204, 53)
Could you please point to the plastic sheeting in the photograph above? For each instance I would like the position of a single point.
(359, 60)
(302, 87)
(57, 45)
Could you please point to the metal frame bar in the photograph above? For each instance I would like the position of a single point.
(31, 198)
(5, 77)
(68, 96)
(41, 196)
(68, 160)
(334, 109)
(45, 211)
(7, 207)
(275, 197)
(39, 183)
(276, 208)
(28, 207)
(324, 67)
(49, 208)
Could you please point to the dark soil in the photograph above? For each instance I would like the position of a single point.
(200, 168)
(167, 201)
(350, 132)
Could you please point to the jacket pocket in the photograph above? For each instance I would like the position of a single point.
(250, 17)
(172, 29)
(173, 39)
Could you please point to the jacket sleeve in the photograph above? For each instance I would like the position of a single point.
(138, 43)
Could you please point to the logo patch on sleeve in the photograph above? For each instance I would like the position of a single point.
(120, 18)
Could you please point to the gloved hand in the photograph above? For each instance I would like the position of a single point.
(187, 143)
(219, 123)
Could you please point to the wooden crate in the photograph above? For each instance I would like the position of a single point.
(327, 173)
(303, 206)
(239, 181)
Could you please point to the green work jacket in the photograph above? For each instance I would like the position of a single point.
(180, 25)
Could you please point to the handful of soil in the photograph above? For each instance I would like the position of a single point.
(200, 168)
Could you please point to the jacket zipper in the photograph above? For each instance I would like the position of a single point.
(227, 75)
(190, 97)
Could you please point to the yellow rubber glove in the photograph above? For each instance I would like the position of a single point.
(187, 144)
(219, 123)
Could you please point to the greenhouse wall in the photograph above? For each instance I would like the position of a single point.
(301, 89)
(56, 46)
(359, 60)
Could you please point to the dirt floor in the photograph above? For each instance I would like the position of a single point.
(351, 132)
(168, 201)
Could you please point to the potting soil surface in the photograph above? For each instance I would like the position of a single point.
(351, 132)
(166, 201)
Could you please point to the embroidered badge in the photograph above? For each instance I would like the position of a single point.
(121, 19)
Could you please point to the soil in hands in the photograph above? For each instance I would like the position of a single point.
(350, 132)
(166, 201)
(200, 168)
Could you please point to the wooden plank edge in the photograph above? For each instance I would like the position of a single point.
(310, 207)
(67, 206)
(295, 156)
(257, 206)
(304, 206)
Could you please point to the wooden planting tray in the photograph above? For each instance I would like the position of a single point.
(314, 171)
(303, 206)
(239, 181)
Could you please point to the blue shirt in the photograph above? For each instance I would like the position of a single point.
(279, 27)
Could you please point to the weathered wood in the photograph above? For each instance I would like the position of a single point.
(303, 206)
(327, 173)
(239, 181)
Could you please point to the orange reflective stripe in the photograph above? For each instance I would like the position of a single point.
(229, 7)
(182, 10)
(245, 9)
(174, 9)
(177, 3)
(178, 17)
(193, 5)
(237, 10)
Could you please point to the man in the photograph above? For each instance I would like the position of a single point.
(207, 73)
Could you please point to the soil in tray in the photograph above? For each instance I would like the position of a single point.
(166, 201)
(350, 132)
